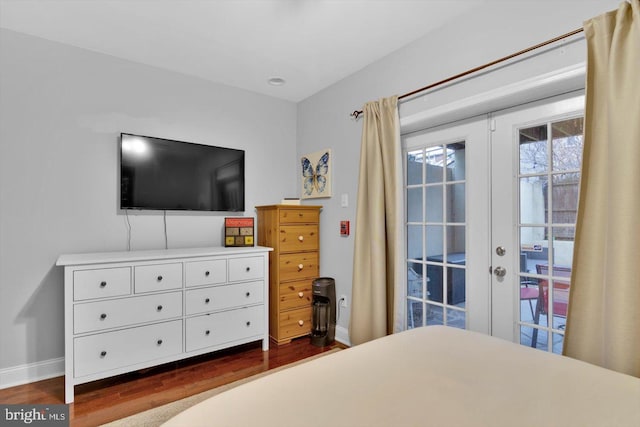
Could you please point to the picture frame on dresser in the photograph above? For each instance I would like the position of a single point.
(126, 311)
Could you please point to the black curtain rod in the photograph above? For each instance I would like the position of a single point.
(357, 113)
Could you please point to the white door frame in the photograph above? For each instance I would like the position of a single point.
(564, 80)
(546, 85)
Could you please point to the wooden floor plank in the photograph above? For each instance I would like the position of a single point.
(113, 398)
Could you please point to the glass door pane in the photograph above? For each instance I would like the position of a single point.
(436, 278)
(447, 207)
(550, 161)
(535, 195)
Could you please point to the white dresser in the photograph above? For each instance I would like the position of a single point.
(131, 310)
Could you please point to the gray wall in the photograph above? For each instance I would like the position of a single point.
(478, 37)
(61, 112)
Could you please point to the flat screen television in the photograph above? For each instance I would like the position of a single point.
(163, 174)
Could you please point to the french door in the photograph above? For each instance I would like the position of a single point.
(447, 171)
(536, 155)
(491, 205)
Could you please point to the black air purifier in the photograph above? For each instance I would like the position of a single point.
(323, 330)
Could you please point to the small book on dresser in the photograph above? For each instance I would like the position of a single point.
(290, 201)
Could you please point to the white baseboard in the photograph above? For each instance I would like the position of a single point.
(342, 336)
(24, 374)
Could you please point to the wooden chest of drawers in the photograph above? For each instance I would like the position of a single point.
(294, 234)
(130, 310)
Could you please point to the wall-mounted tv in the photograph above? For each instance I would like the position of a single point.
(163, 174)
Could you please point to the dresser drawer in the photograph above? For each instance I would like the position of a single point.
(157, 277)
(222, 297)
(100, 315)
(219, 328)
(101, 283)
(298, 266)
(294, 323)
(249, 268)
(306, 216)
(295, 238)
(208, 272)
(295, 294)
(112, 350)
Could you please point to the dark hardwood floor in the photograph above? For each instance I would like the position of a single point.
(106, 400)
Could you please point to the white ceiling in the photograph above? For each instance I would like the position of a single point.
(242, 43)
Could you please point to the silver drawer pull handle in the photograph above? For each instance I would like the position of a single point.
(159, 342)
(103, 316)
(103, 284)
(248, 323)
(206, 273)
(300, 294)
(207, 300)
(159, 278)
(103, 353)
(301, 238)
(207, 332)
(248, 294)
(159, 308)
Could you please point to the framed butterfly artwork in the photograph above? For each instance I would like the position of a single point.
(316, 174)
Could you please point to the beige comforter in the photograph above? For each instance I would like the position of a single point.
(432, 376)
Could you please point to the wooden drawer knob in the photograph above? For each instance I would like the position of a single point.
(300, 294)
(300, 267)
(301, 238)
(300, 322)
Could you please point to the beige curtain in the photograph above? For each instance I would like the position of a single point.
(603, 324)
(378, 232)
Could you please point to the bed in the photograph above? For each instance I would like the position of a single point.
(431, 376)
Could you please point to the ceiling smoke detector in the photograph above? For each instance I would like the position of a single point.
(276, 81)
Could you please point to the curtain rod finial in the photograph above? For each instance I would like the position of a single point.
(356, 114)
